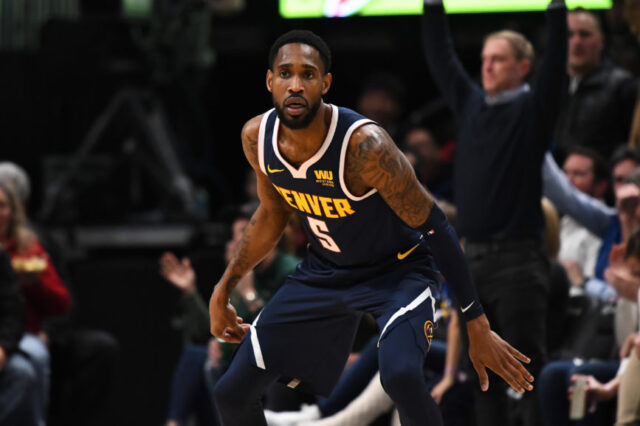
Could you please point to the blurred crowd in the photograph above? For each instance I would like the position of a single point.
(549, 219)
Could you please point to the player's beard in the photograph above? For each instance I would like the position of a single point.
(300, 122)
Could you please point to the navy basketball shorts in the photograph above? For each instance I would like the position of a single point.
(305, 333)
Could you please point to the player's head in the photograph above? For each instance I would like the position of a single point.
(586, 41)
(298, 76)
(506, 61)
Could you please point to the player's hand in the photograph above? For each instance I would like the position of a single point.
(488, 350)
(225, 322)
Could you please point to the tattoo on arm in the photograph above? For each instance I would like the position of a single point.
(376, 162)
(240, 261)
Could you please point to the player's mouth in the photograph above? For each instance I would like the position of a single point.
(295, 105)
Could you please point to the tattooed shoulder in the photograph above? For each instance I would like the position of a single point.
(362, 148)
(374, 161)
(250, 138)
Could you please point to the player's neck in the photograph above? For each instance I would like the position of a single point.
(301, 144)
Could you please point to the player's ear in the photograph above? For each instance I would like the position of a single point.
(269, 80)
(326, 82)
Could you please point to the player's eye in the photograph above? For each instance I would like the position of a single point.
(308, 75)
(284, 74)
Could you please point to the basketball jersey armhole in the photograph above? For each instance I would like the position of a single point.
(343, 159)
(261, 134)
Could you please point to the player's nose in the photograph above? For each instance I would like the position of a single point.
(296, 85)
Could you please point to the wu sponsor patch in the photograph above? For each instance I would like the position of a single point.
(324, 177)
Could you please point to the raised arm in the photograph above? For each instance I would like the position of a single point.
(454, 83)
(261, 236)
(551, 79)
(589, 212)
(374, 161)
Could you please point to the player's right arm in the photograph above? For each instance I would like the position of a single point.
(261, 236)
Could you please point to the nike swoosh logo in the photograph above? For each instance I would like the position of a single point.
(467, 308)
(270, 170)
(407, 253)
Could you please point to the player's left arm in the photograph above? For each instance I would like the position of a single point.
(374, 161)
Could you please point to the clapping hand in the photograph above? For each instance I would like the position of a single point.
(179, 273)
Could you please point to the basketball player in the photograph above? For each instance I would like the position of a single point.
(373, 235)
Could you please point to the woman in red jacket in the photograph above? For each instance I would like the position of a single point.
(45, 293)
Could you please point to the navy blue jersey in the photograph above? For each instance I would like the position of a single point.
(344, 229)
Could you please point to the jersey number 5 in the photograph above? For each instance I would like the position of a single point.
(320, 229)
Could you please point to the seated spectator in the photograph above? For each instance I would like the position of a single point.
(201, 362)
(603, 221)
(45, 293)
(83, 361)
(579, 247)
(557, 376)
(19, 390)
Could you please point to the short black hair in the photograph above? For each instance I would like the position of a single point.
(601, 170)
(624, 152)
(304, 37)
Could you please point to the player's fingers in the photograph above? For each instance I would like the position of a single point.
(521, 370)
(232, 335)
(482, 376)
(520, 379)
(504, 372)
(245, 327)
(519, 355)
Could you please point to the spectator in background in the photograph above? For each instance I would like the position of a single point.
(603, 375)
(603, 221)
(201, 362)
(45, 293)
(19, 391)
(83, 361)
(11, 172)
(381, 99)
(579, 247)
(602, 96)
(622, 162)
(425, 155)
(505, 128)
